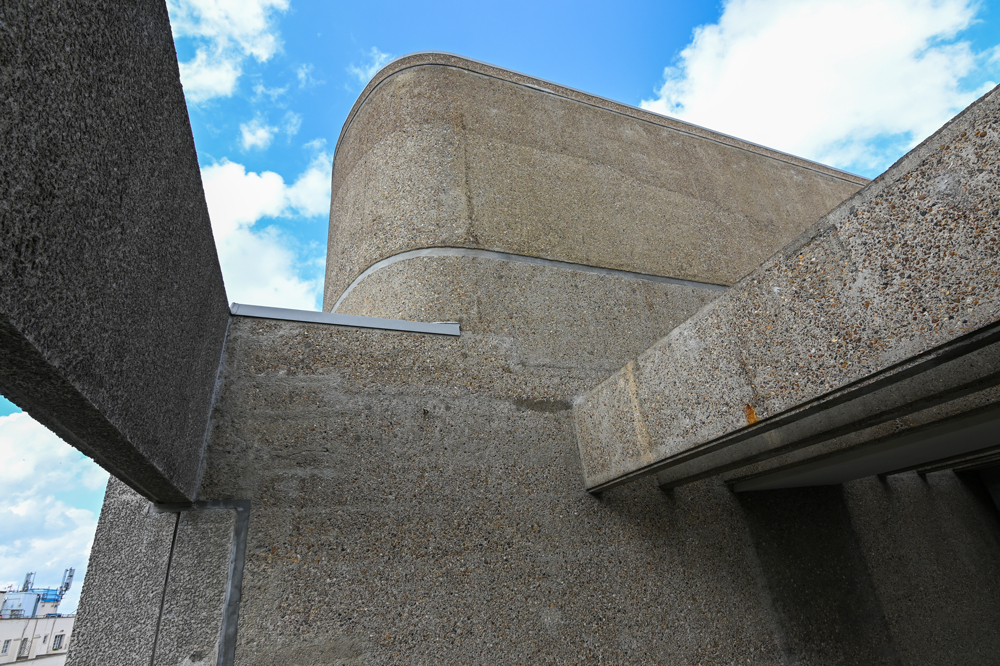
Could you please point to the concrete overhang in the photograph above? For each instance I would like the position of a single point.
(879, 321)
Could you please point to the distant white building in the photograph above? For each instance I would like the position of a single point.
(31, 627)
(44, 639)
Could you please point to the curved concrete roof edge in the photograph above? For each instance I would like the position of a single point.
(444, 59)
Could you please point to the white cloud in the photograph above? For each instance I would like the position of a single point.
(256, 134)
(260, 91)
(293, 123)
(376, 61)
(208, 76)
(847, 82)
(44, 533)
(227, 32)
(262, 265)
(306, 78)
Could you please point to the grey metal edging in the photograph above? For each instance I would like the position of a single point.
(357, 321)
(234, 582)
(519, 259)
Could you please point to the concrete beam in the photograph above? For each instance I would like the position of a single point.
(113, 311)
(889, 305)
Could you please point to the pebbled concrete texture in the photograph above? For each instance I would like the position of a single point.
(120, 604)
(191, 619)
(554, 316)
(932, 545)
(113, 310)
(417, 499)
(904, 266)
(155, 587)
(444, 151)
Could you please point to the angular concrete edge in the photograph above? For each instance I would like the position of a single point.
(113, 309)
(174, 573)
(610, 420)
(200, 616)
(866, 287)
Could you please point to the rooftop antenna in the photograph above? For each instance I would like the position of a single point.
(67, 582)
(29, 580)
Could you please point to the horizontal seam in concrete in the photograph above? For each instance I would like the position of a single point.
(355, 321)
(609, 104)
(517, 259)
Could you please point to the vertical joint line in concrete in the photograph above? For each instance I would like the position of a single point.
(234, 581)
(211, 409)
(166, 581)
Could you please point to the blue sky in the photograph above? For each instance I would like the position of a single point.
(269, 83)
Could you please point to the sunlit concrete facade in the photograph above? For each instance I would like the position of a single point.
(312, 493)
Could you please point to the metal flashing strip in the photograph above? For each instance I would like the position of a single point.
(313, 317)
(234, 582)
(519, 259)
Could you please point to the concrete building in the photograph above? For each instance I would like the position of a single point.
(700, 402)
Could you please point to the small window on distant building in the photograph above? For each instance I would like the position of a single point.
(25, 646)
(45, 639)
(6, 647)
(57, 641)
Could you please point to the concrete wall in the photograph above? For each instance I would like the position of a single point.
(440, 151)
(553, 316)
(903, 268)
(418, 499)
(156, 585)
(113, 311)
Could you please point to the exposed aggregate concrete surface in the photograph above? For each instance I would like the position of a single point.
(191, 615)
(556, 317)
(120, 604)
(112, 310)
(443, 151)
(417, 500)
(907, 264)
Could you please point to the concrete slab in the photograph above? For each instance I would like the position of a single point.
(113, 310)
(887, 306)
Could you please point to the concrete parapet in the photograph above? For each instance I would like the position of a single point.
(554, 317)
(887, 306)
(440, 151)
(113, 311)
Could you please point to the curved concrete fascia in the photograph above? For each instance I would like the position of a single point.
(445, 59)
(440, 151)
(518, 259)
